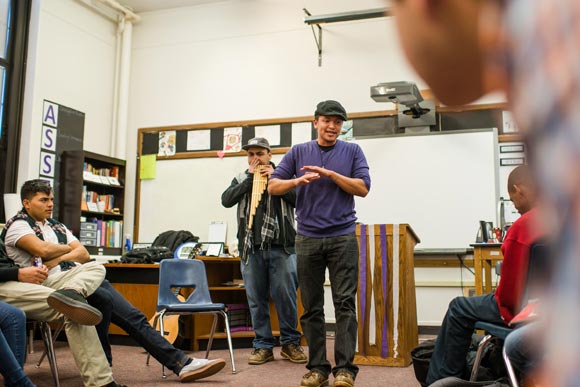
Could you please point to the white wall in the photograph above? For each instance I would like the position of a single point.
(70, 62)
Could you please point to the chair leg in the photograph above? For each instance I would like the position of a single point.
(31, 337)
(510, 369)
(54, 337)
(161, 330)
(210, 341)
(478, 356)
(46, 334)
(224, 314)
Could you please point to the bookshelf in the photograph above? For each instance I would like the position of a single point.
(91, 200)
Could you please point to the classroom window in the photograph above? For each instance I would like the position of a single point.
(14, 24)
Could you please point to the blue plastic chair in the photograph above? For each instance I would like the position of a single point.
(536, 278)
(188, 273)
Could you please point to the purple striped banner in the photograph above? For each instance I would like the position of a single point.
(385, 340)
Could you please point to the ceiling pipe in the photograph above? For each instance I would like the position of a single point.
(129, 15)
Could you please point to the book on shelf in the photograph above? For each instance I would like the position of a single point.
(107, 176)
(241, 329)
(109, 233)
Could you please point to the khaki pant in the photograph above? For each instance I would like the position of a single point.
(83, 340)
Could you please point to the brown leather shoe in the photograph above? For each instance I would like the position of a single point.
(294, 353)
(260, 356)
(314, 379)
(343, 379)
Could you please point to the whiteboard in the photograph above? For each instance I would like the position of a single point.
(186, 195)
(441, 184)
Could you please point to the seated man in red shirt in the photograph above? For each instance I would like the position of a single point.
(449, 356)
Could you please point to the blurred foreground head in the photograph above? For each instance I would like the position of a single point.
(442, 40)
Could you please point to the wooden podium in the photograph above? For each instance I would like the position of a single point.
(386, 306)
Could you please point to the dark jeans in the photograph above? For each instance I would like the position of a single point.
(13, 346)
(116, 309)
(272, 273)
(340, 255)
(524, 347)
(449, 356)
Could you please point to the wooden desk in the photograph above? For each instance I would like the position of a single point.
(485, 255)
(139, 284)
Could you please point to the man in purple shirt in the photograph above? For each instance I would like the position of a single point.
(327, 174)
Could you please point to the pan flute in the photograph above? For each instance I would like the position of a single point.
(259, 185)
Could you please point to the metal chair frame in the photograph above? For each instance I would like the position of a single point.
(48, 339)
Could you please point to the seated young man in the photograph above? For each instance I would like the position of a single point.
(32, 231)
(48, 298)
(449, 356)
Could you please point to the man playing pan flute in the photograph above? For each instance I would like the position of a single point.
(266, 243)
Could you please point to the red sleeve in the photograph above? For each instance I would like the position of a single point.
(516, 253)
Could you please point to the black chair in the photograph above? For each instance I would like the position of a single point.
(537, 276)
(188, 273)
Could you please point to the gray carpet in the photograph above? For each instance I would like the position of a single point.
(129, 368)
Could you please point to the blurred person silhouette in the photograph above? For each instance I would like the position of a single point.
(529, 49)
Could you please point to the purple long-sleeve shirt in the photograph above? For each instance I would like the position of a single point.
(323, 209)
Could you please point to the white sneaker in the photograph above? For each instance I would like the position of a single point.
(200, 368)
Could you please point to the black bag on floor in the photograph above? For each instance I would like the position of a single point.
(421, 355)
(490, 369)
(452, 381)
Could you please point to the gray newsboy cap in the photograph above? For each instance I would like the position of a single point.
(259, 142)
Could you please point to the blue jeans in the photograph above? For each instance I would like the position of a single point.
(116, 309)
(340, 254)
(524, 347)
(449, 355)
(272, 273)
(13, 346)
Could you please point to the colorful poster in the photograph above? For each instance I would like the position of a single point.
(346, 132)
(166, 143)
(233, 139)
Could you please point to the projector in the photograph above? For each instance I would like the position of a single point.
(401, 92)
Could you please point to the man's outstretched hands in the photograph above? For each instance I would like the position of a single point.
(309, 176)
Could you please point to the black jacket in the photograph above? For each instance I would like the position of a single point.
(8, 269)
(241, 188)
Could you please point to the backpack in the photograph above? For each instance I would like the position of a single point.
(147, 255)
(171, 239)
